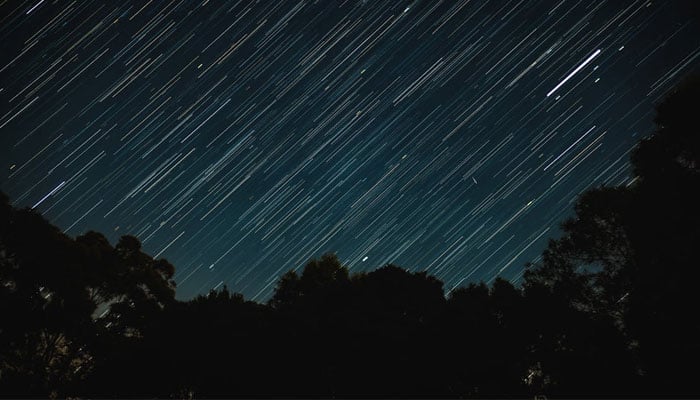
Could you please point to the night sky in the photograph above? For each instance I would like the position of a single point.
(239, 139)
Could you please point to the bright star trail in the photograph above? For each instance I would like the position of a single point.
(238, 139)
(583, 64)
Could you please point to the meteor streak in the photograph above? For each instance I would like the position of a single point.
(583, 64)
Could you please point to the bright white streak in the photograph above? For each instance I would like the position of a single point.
(583, 64)
(35, 6)
(50, 193)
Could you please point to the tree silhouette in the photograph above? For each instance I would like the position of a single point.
(631, 253)
(45, 313)
(52, 289)
(609, 310)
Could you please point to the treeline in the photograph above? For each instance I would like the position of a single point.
(609, 311)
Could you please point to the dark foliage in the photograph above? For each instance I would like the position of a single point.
(631, 254)
(609, 311)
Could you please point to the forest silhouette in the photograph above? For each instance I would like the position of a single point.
(610, 310)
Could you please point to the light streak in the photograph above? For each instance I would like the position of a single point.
(56, 189)
(583, 64)
(35, 6)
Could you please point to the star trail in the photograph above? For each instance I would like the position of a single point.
(238, 139)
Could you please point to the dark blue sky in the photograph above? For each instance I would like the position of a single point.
(240, 139)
